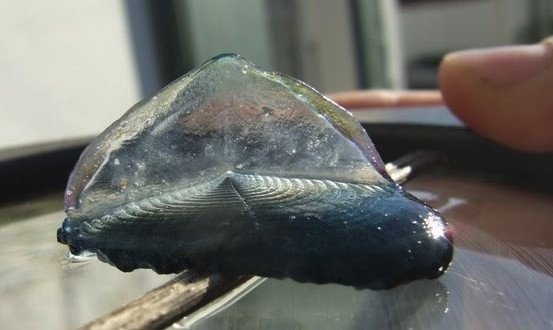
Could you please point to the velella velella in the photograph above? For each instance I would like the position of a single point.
(237, 170)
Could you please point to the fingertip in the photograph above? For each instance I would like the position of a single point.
(454, 83)
(547, 42)
(503, 93)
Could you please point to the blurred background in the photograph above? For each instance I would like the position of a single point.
(69, 68)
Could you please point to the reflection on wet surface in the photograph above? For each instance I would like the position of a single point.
(497, 220)
(501, 277)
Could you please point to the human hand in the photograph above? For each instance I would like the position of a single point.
(505, 94)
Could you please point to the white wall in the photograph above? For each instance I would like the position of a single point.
(326, 45)
(66, 69)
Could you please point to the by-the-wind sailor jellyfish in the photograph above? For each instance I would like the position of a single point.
(237, 170)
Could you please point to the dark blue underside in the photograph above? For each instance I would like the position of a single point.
(377, 243)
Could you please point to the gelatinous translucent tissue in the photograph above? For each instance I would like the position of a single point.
(237, 170)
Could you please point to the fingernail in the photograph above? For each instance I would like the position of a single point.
(507, 65)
